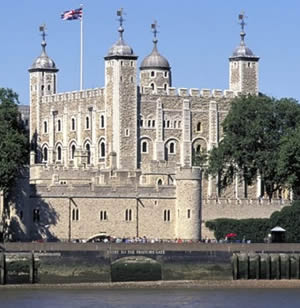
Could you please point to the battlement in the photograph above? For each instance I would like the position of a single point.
(74, 95)
(188, 173)
(193, 92)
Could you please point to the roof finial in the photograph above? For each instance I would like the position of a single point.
(121, 20)
(242, 17)
(154, 27)
(43, 30)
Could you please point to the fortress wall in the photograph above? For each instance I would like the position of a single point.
(237, 209)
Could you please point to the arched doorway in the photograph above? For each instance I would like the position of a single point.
(135, 268)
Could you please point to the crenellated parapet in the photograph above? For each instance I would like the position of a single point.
(192, 92)
(74, 95)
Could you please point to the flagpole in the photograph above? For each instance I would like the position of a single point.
(81, 51)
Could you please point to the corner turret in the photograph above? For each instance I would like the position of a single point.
(155, 69)
(243, 66)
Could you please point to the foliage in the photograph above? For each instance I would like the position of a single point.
(256, 229)
(13, 140)
(254, 130)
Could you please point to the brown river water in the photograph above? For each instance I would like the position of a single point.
(139, 297)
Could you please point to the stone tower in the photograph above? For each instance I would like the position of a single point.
(188, 203)
(243, 67)
(42, 82)
(121, 103)
(155, 69)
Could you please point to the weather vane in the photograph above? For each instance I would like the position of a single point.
(120, 15)
(242, 17)
(154, 27)
(43, 30)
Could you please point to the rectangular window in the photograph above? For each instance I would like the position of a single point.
(36, 215)
(188, 213)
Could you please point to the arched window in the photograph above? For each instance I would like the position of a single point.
(59, 153)
(167, 215)
(172, 148)
(45, 154)
(49, 87)
(73, 149)
(152, 74)
(159, 182)
(102, 121)
(88, 152)
(166, 74)
(165, 87)
(73, 124)
(102, 149)
(87, 122)
(144, 146)
(128, 215)
(58, 125)
(45, 127)
(199, 127)
(152, 86)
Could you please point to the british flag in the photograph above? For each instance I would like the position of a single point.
(72, 14)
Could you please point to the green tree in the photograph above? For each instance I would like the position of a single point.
(13, 139)
(253, 132)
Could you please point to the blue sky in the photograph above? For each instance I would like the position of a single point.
(196, 36)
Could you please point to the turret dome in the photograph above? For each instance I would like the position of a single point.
(43, 62)
(155, 60)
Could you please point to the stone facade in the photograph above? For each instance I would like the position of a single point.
(119, 159)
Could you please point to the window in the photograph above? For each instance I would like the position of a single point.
(49, 87)
(144, 146)
(87, 122)
(153, 123)
(103, 215)
(45, 154)
(188, 213)
(88, 152)
(102, 123)
(131, 63)
(73, 149)
(152, 74)
(165, 87)
(198, 149)
(172, 148)
(73, 124)
(159, 182)
(168, 123)
(152, 86)
(131, 79)
(127, 132)
(128, 215)
(179, 124)
(199, 127)
(75, 214)
(141, 122)
(175, 124)
(45, 127)
(167, 215)
(59, 153)
(58, 125)
(166, 74)
(102, 149)
(149, 123)
(36, 215)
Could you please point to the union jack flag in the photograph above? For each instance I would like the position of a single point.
(72, 14)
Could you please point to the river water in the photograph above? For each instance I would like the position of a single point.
(125, 298)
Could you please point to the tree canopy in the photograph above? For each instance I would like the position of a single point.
(258, 134)
(13, 140)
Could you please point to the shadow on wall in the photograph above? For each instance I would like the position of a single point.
(30, 216)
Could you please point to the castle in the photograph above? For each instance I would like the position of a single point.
(119, 159)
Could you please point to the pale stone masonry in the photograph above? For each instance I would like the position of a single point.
(119, 159)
